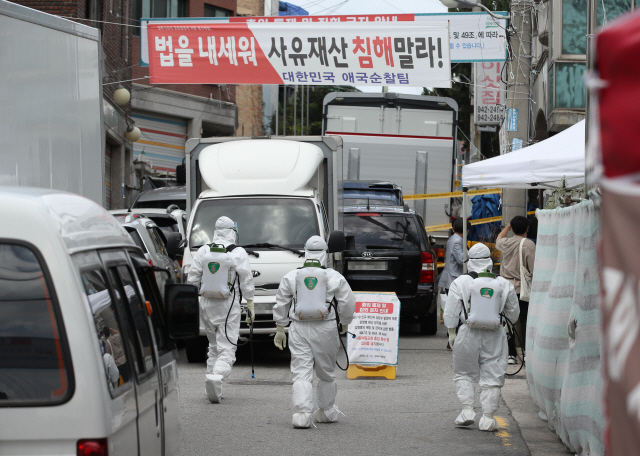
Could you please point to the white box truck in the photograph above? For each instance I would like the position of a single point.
(408, 140)
(280, 191)
(51, 124)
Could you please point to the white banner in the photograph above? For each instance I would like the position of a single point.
(376, 325)
(489, 93)
(473, 37)
(391, 53)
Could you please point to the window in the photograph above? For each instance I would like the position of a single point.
(93, 11)
(156, 8)
(216, 11)
(384, 231)
(136, 238)
(127, 296)
(35, 365)
(159, 204)
(283, 221)
(152, 294)
(155, 238)
(111, 337)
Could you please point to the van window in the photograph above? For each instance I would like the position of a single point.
(128, 292)
(35, 366)
(136, 238)
(111, 338)
(155, 238)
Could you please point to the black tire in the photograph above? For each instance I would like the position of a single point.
(429, 324)
(196, 349)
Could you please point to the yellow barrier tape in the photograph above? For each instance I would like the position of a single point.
(451, 194)
(531, 212)
(447, 226)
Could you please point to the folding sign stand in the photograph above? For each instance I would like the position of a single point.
(373, 352)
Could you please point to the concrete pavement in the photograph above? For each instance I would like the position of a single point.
(410, 415)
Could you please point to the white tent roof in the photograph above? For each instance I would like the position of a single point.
(544, 163)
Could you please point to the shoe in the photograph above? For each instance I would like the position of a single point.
(213, 387)
(466, 418)
(512, 360)
(448, 346)
(328, 416)
(488, 423)
(302, 420)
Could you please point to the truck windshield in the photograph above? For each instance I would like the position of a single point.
(282, 221)
(378, 231)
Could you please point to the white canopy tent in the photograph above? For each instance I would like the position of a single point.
(542, 165)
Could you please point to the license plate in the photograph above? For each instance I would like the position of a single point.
(367, 265)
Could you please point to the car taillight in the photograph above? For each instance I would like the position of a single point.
(150, 263)
(428, 267)
(92, 447)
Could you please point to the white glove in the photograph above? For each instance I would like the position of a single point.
(251, 315)
(280, 340)
(452, 336)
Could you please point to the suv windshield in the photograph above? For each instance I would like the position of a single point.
(141, 203)
(367, 231)
(282, 221)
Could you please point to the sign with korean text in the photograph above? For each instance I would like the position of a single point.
(413, 54)
(473, 37)
(376, 328)
(489, 93)
(512, 119)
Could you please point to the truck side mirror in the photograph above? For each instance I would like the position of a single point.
(173, 244)
(182, 310)
(432, 240)
(337, 242)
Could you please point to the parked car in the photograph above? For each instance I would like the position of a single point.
(371, 192)
(169, 220)
(159, 249)
(161, 198)
(388, 250)
(87, 356)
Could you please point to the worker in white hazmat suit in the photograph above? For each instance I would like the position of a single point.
(220, 271)
(304, 298)
(480, 350)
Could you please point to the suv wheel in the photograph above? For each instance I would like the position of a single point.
(429, 324)
(196, 349)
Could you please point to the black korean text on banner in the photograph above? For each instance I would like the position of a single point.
(411, 54)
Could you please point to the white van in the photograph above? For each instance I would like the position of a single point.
(87, 360)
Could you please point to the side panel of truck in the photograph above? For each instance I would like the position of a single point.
(405, 139)
(50, 103)
(328, 180)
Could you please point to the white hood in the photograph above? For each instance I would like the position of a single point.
(479, 259)
(316, 249)
(225, 232)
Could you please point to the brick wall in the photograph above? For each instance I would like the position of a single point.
(195, 8)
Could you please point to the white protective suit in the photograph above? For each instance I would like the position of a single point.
(479, 355)
(213, 311)
(314, 342)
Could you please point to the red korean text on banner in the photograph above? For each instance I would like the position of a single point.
(190, 54)
(382, 308)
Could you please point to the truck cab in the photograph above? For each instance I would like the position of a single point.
(277, 191)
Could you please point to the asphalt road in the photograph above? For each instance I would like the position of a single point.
(412, 414)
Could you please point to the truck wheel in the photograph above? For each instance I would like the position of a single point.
(429, 325)
(196, 349)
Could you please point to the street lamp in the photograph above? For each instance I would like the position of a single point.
(469, 4)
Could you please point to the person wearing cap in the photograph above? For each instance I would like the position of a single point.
(305, 298)
(479, 353)
(220, 312)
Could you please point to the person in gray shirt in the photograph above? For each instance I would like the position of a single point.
(453, 258)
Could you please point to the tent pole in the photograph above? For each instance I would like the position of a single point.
(464, 230)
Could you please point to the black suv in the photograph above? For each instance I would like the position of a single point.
(388, 250)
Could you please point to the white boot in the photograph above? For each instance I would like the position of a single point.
(327, 416)
(302, 420)
(466, 417)
(213, 386)
(488, 423)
